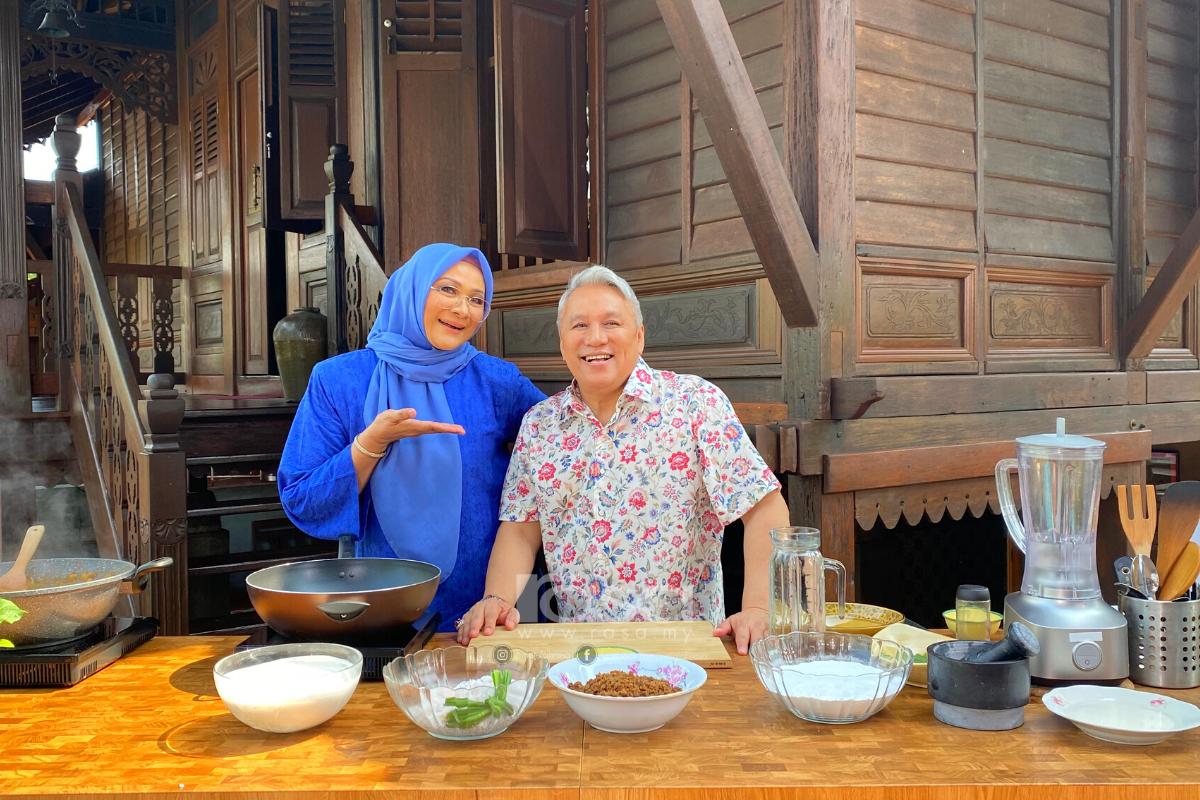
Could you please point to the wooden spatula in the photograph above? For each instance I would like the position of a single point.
(14, 580)
(1138, 517)
(1183, 574)
(1177, 520)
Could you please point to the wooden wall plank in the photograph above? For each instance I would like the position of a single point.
(771, 101)
(1019, 198)
(892, 54)
(1166, 219)
(1052, 167)
(1045, 53)
(1170, 118)
(900, 98)
(1170, 186)
(642, 111)
(1163, 83)
(1165, 151)
(1176, 19)
(707, 169)
(638, 44)
(1037, 237)
(627, 15)
(713, 204)
(723, 238)
(1040, 126)
(1051, 18)
(904, 183)
(890, 223)
(1172, 386)
(1047, 91)
(645, 146)
(1165, 48)
(645, 217)
(646, 251)
(918, 20)
(643, 76)
(644, 182)
(912, 143)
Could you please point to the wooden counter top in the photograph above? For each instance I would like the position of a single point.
(152, 725)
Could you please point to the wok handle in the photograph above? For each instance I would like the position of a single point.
(346, 545)
(141, 576)
(343, 610)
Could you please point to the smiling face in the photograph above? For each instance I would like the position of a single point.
(600, 339)
(448, 328)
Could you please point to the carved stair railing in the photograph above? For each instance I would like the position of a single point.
(126, 439)
(356, 276)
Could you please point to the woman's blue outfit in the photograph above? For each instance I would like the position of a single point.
(432, 498)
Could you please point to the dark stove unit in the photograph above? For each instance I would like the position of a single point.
(67, 662)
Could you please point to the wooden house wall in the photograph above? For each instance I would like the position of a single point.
(139, 156)
(984, 186)
(1171, 150)
(672, 226)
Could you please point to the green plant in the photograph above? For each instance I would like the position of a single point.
(9, 613)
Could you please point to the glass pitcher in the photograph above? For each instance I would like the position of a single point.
(797, 581)
(1060, 502)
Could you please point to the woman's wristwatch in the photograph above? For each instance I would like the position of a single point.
(367, 452)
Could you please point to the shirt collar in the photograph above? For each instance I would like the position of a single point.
(640, 386)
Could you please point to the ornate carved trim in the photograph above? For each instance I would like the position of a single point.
(168, 531)
(137, 77)
(13, 291)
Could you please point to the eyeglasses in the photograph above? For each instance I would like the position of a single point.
(449, 297)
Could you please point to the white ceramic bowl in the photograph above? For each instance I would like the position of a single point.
(628, 714)
(1123, 716)
(288, 687)
(829, 677)
(419, 684)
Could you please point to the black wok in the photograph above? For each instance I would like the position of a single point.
(342, 599)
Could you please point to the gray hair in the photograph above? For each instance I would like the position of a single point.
(600, 276)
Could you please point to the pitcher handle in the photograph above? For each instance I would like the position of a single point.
(839, 568)
(1007, 507)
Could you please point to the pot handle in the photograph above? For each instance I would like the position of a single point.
(343, 610)
(141, 576)
(346, 545)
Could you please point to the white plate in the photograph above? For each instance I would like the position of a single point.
(1123, 716)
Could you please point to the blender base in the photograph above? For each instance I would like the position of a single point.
(1082, 641)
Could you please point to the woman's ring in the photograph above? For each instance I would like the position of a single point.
(458, 623)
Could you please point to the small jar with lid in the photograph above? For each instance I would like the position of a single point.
(972, 613)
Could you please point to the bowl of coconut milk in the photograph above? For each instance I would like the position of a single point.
(835, 678)
(289, 687)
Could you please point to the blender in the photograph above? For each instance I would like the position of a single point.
(1082, 638)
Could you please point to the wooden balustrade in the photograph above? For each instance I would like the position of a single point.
(355, 267)
(126, 440)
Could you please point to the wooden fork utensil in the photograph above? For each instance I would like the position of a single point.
(1139, 515)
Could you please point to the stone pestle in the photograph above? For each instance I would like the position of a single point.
(1018, 642)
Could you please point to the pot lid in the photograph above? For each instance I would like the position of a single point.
(1060, 439)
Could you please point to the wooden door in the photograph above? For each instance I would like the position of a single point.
(428, 121)
(541, 103)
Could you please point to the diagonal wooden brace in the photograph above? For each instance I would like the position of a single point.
(1166, 294)
(717, 76)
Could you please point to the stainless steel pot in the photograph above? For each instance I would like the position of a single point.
(77, 594)
(342, 599)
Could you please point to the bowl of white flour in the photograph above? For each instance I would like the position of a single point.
(288, 687)
(835, 678)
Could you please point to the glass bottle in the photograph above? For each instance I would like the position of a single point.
(972, 613)
(797, 581)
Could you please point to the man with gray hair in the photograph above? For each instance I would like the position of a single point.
(626, 480)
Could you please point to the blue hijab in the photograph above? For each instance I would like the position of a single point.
(416, 488)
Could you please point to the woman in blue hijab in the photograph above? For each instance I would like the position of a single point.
(405, 444)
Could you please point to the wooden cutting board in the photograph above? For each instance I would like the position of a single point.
(693, 641)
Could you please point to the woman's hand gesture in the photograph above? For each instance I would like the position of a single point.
(483, 618)
(394, 424)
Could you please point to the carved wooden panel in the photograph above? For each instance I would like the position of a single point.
(209, 322)
(1036, 315)
(245, 35)
(911, 311)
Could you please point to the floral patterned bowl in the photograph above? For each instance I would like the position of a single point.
(1123, 716)
(628, 714)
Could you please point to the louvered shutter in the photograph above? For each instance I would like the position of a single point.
(300, 61)
(541, 91)
(206, 177)
(425, 27)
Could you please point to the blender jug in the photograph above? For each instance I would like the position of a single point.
(1060, 494)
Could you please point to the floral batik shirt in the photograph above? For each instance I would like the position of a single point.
(632, 512)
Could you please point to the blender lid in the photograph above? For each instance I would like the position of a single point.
(1060, 438)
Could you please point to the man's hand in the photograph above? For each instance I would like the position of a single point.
(483, 618)
(747, 626)
(394, 424)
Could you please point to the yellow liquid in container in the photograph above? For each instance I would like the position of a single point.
(972, 623)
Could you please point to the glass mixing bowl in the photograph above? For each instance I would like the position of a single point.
(835, 678)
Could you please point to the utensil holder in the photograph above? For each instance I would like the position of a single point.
(1164, 642)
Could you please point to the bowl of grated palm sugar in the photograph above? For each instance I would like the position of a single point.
(627, 692)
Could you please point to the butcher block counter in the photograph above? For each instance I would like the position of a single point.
(151, 725)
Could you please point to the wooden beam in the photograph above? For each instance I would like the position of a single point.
(850, 472)
(89, 111)
(717, 77)
(851, 397)
(1166, 294)
(41, 192)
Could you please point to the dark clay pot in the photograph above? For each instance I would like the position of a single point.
(299, 345)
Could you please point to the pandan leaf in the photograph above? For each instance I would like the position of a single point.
(9, 611)
(5, 643)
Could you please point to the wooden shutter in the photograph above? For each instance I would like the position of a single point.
(301, 59)
(206, 181)
(541, 91)
(425, 27)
